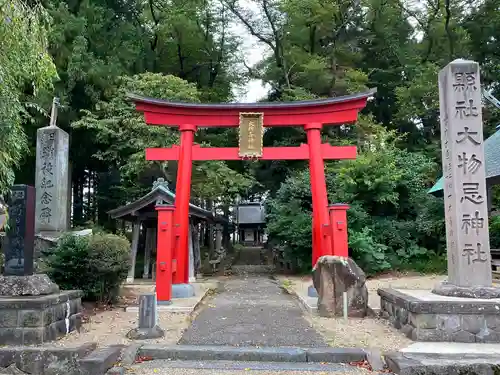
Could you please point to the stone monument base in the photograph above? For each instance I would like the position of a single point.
(31, 285)
(450, 290)
(182, 290)
(425, 316)
(28, 320)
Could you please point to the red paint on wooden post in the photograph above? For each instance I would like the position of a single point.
(338, 223)
(164, 252)
(332, 111)
(321, 239)
(182, 197)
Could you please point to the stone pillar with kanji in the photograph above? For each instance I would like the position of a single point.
(465, 198)
(51, 180)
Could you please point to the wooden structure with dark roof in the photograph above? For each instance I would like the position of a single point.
(142, 214)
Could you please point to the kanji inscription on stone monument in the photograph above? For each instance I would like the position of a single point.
(466, 210)
(52, 185)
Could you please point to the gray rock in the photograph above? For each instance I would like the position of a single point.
(145, 333)
(333, 275)
(33, 285)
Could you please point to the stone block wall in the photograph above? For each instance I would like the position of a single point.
(38, 319)
(447, 321)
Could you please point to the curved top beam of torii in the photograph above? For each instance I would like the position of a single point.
(331, 111)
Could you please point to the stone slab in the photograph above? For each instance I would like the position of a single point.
(423, 316)
(30, 285)
(335, 355)
(38, 360)
(165, 367)
(312, 292)
(129, 354)
(182, 291)
(424, 364)
(100, 360)
(178, 305)
(38, 302)
(224, 353)
(445, 348)
(252, 312)
(424, 301)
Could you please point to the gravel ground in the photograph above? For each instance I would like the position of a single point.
(367, 332)
(110, 327)
(360, 333)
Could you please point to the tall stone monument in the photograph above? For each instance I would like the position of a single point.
(466, 203)
(466, 307)
(51, 180)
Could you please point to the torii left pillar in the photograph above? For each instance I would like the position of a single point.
(181, 287)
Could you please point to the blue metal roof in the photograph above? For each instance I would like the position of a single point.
(491, 157)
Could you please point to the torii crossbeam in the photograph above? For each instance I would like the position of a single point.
(252, 118)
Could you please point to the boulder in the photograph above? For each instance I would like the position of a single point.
(333, 275)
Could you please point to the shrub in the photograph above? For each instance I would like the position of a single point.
(96, 264)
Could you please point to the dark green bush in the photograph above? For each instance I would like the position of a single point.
(96, 264)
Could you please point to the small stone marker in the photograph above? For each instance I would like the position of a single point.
(466, 212)
(20, 233)
(51, 180)
(148, 320)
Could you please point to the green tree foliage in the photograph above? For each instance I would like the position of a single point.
(392, 221)
(26, 69)
(188, 50)
(124, 136)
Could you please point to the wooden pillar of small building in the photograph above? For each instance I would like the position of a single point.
(148, 249)
(218, 237)
(136, 230)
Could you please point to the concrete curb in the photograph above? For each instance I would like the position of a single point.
(247, 354)
(311, 309)
(100, 360)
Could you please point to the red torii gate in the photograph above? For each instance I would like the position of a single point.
(172, 252)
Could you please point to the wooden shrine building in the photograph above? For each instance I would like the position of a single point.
(143, 216)
(251, 219)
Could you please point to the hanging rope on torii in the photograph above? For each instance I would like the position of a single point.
(329, 222)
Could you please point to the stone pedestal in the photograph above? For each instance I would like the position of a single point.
(425, 316)
(31, 320)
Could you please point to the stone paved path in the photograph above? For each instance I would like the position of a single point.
(252, 311)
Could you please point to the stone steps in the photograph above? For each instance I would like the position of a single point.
(164, 367)
(85, 359)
